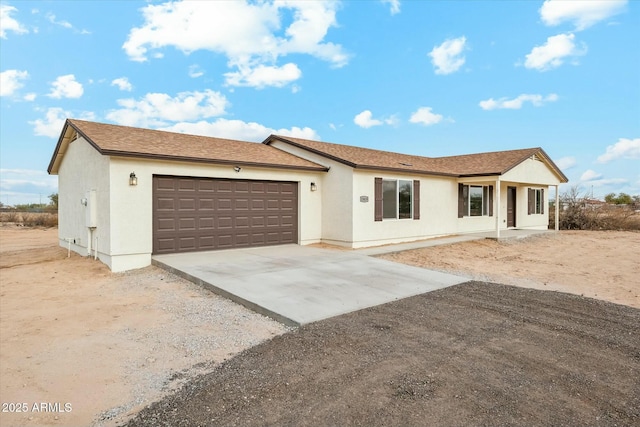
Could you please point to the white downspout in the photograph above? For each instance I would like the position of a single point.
(557, 209)
(89, 240)
(498, 208)
(95, 250)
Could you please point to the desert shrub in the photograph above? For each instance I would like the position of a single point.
(40, 220)
(30, 219)
(578, 212)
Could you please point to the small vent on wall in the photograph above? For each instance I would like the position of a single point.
(535, 157)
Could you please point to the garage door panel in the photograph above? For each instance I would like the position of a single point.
(166, 224)
(206, 223)
(206, 185)
(224, 186)
(206, 243)
(187, 224)
(187, 243)
(163, 183)
(225, 204)
(166, 203)
(187, 185)
(241, 204)
(195, 214)
(205, 204)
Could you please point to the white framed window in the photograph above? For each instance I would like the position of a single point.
(475, 200)
(536, 201)
(397, 199)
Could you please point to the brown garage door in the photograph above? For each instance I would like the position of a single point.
(199, 214)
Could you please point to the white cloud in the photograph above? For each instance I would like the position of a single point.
(122, 83)
(590, 175)
(195, 71)
(447, 58)
(582, 13)
(65, 24)
(366, 120)
(394, 6)
(8, 23)
(22, 186)
(625, 148)
(565, 163)
(516, 103)
(160, 109)
(553, 53)
(30, 96)
(250, 35)
(237, 129)
(424, 116)
(262, 76)
(11, 81)
(66, 87)
(54, 119)
(52, 18)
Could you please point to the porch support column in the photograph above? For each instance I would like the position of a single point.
(498, 208)
(557, 206)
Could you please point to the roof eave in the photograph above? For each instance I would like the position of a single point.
(312, 150)
(547, 160)
(414, 171)
(116, 153)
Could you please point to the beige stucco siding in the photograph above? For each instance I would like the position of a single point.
(532, 171)
(437, 210)
(132, 206)
(336, 189)
(83, 169)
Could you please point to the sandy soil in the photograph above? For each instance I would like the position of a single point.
(106, 344)
(595, 264)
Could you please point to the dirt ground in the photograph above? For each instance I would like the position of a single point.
(73, 333)
(595, 264)
(108, 344)
(475, 354)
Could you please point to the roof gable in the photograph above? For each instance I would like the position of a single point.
(481, 164)
(114, 140)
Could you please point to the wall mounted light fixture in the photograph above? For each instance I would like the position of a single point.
(133, 179)
(237, 168)
(314, 187)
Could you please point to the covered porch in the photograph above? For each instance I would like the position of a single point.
(503, 207)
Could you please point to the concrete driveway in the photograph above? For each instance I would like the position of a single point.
(298, 284)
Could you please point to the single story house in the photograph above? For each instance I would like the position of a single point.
(127, 193)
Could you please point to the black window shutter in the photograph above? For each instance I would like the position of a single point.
(378, 200)
(416, 199)
(491, 200)
(531, 195)
(542, 201)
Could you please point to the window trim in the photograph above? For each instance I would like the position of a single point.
(535, 201)
(398, 184)
(464, 200)
(414, 208)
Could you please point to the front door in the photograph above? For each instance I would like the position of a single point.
(511, 206)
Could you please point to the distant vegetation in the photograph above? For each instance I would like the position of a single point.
(32, 214)
(579, 212)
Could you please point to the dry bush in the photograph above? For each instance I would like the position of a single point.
(579, 213)
(30, 219)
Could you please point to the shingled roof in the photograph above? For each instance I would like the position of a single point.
(124, 141)
(492, 163)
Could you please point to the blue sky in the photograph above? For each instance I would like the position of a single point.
(432, 78)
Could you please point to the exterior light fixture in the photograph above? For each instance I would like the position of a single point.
(133, 179)
(237, 168)
(314, 187)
